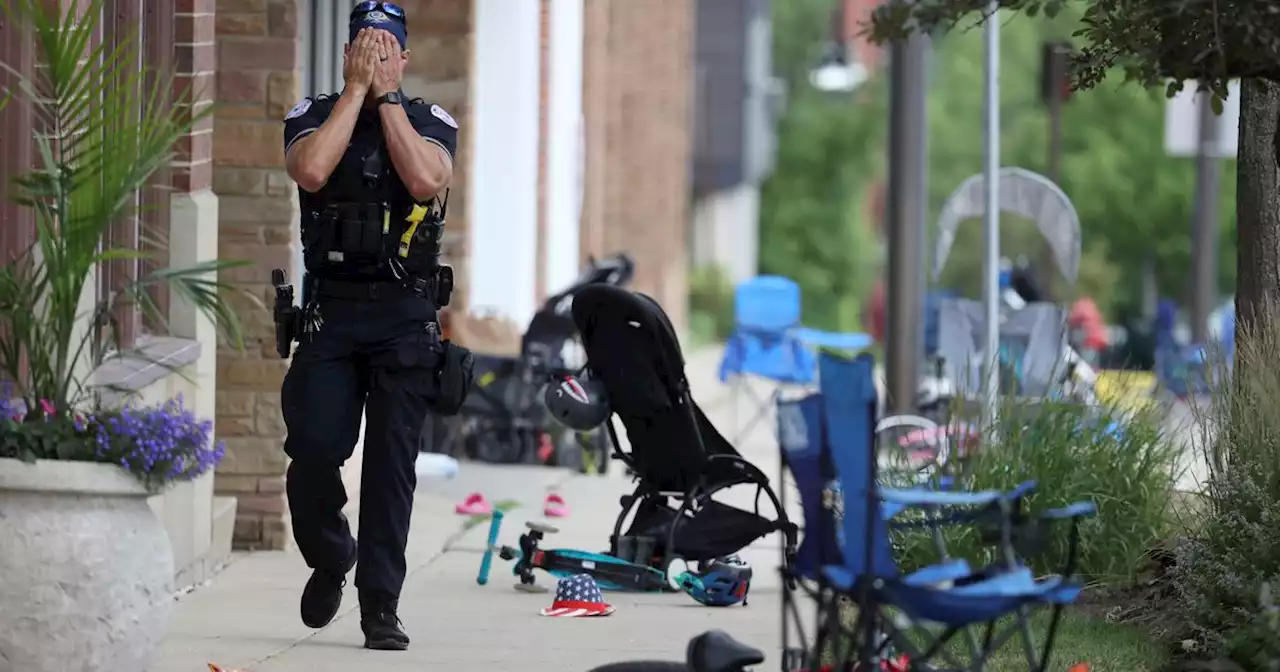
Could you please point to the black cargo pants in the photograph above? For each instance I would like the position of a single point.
(375, 357)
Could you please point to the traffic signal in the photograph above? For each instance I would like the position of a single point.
(1054, 78)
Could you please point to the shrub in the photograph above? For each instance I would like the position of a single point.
(711, 303)
(1124, 464)
(1235, 549)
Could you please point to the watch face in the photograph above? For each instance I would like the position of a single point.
(393, 98)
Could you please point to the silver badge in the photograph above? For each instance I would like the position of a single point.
(376, 17)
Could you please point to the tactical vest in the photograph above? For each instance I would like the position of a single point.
(363, 225)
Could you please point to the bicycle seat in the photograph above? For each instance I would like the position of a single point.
(716, 651)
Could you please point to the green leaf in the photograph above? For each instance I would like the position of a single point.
(106, 127)
(1215, 103)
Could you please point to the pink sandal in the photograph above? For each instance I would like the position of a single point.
(555, 506)
(474, 505)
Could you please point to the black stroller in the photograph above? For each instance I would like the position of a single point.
(503, 420)
(677, 455)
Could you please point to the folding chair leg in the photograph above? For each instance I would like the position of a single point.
(1028, 640)
(762, 407)
(1043, 663)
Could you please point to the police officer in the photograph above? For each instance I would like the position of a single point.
(366, 161)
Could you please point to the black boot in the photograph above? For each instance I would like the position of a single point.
(382, 628)
(322, 595)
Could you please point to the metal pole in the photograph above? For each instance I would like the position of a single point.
(991, 215)
(922, 177)
(1055, 131)
(906, 212)
(1204, 229)
(1056, 75)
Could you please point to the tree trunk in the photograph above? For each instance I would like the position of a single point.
(1258, 206)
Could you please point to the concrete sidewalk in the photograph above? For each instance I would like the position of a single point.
(247, 617)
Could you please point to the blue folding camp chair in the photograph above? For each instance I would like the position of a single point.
(769, 342)
(845, 553)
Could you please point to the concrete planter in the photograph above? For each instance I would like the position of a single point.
(87, 567)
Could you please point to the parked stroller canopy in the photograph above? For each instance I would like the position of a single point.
(1022, 193)
(676, 453)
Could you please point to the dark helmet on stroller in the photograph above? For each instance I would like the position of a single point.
(577, 402)
(721, 582)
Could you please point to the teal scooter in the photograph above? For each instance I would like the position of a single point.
(610, 573)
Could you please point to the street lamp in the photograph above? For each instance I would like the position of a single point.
(835, 74)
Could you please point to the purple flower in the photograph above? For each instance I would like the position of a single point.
(159, 444)
(8, 409)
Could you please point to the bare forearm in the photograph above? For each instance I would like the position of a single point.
(314, 159)
(423, 166)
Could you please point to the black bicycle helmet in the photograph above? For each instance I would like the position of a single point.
(578, 403)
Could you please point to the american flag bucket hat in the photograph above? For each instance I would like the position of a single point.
(578, 595)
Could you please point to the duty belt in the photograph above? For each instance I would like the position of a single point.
(377, 290)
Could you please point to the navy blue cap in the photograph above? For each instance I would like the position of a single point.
(379, 19)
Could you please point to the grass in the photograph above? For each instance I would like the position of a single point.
(1105, 647)
(1082, 638)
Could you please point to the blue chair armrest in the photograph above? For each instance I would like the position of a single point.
(832, 339)
(1076, 510)
(916, 497)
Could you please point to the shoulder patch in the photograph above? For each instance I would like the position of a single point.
(439, 113)
(299, 109)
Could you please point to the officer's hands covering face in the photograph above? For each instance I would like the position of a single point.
(361, 60)
(389, 71)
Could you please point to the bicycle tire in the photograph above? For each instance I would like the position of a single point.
(643, 666)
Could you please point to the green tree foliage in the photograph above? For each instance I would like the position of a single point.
(812, 225)
(1210, 41)
(1132, 199)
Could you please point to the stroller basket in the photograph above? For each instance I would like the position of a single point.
(679, 458)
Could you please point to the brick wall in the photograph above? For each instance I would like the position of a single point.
(259, 80)
(194, 63)
(637, 97)
(856, 13)
(440, 44)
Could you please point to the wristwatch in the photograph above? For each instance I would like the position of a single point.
(394, 98)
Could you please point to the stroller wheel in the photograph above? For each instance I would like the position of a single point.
(675, 565)
(530, 588)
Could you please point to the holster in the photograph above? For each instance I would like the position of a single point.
(286, 315)
(437, 286)
(453, 378)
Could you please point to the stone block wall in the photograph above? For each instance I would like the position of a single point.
(259, 80)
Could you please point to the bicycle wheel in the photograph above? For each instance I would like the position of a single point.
(643, 666)
(910, 449)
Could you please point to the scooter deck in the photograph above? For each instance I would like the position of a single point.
(609, 572)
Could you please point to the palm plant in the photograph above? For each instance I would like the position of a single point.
(103, 128)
